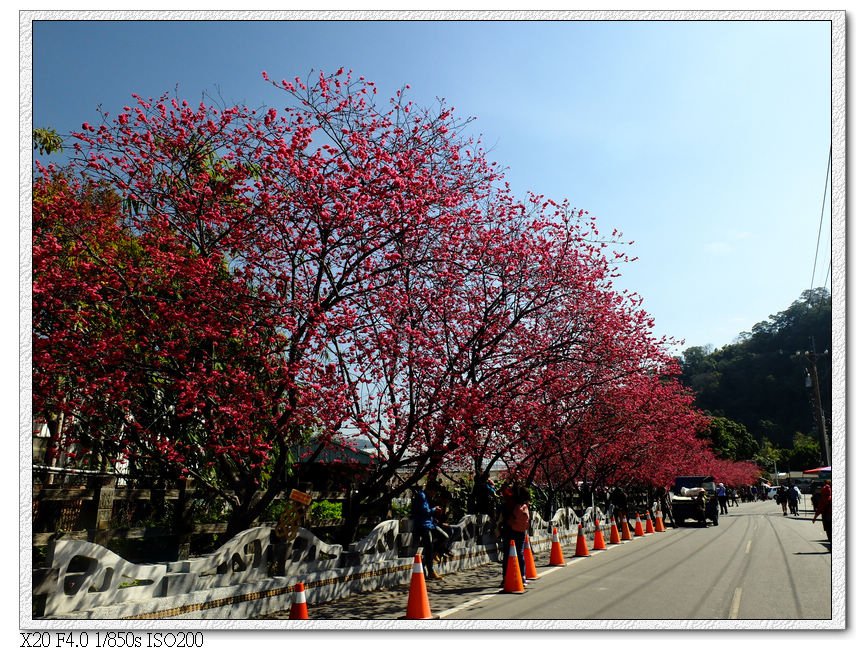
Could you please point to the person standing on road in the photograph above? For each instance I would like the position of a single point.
(515, 523)
(722, 499)
(781, 498)
(824, 508)
(815, 494)
(793, 495)
(662, 496)
(734, 496)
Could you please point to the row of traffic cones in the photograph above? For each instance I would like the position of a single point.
(418, 603)
(615, 538)
(513, 583)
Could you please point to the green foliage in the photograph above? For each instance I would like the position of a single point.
(730, 439)
(759, 381)
(702, 369)
(400, 510)
(274, 511)
(47, 141)
(321, 511)
(208, 510)
(806, 453)
(767, 457)
(460, 496)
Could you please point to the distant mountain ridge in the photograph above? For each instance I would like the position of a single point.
(760, 380)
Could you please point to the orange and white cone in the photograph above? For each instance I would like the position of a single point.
(298, 604)
(582, 547)
(513, 578)
(529, 559)
(418, 603)
(626, 530)
(557, 558)
(614, 533)
(649, 527)
(638, 527)
(659, 522)
(599, 544)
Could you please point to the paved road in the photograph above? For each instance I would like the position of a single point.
(757, 564)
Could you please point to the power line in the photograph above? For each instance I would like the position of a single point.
(820, 229)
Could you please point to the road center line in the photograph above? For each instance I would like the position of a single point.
(734, 606)
(748, 547)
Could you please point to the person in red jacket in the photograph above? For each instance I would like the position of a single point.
(824, 507)
(515, 523)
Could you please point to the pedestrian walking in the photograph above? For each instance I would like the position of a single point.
(722, 498)
(824, 509)
(793, 496)
(515, 523)
(781, 498)
(734, 496)
(425, 527)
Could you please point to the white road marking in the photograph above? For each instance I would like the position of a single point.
(474, 601)
(480, 599)
(748, 547)
(734, 606)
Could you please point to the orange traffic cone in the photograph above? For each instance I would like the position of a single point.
(529, 559)
(298, 604)
(649, 527)
(557, 558)
(599, 544)
(638, 527)
(626, 530)
(614, 533)
(513, 578)
(582, 548)
(418, 603)
(659, 522)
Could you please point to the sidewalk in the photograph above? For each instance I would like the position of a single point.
(453, 590)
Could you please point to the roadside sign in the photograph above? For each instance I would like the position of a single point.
(300, 497)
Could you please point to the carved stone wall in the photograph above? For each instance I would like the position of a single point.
(251, 575)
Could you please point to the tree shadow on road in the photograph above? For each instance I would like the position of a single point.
(827, 552)
(826, 545)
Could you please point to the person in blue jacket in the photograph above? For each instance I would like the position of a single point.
(722, 499)
(425, 528)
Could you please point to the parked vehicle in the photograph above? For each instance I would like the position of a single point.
(694, 497)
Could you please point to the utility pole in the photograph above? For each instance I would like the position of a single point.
(812, 382)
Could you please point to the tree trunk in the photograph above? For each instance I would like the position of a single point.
(350, 518)
(52, 453)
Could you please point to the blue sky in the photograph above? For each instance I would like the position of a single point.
(705, 142)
